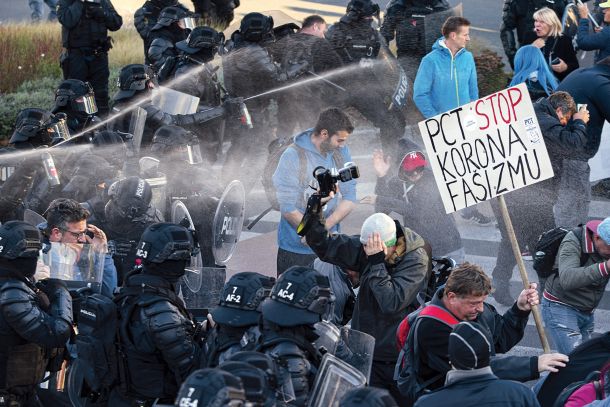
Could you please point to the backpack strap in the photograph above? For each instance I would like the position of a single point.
(438, 313)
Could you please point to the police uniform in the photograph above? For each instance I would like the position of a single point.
(86, 43)
(35, 322)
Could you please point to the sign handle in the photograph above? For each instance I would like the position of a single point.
(517, 252)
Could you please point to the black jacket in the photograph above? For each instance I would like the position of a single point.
(507, 331)
(557, 47)
(80, 29)
(422, 210)
(387, 289)
(479, 388)
(591, 86)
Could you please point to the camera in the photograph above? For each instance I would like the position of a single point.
(328, 178)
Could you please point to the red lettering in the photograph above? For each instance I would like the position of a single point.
(513, 102)
(481, 114)
(493, 108)
(504, 108)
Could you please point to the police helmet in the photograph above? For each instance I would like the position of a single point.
(241, 299)
(362, 8)
(180, 143)
(202, 39)
(129, 199)
(262, 361)
(19, 239)
(173, 14)
(75, 95)
(254, 380)
(211, 387)
(165, 241)
(367, 397)
(40, 127)
(300, 296)
(132, 79)
(255, 27)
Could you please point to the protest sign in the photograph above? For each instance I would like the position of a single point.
(486, 148)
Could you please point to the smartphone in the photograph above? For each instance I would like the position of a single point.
(580, 106)
(555, 61)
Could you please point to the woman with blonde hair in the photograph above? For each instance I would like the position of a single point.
(557, 49)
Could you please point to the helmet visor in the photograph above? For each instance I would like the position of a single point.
(189, 22)
(59, 131)
(86, 104)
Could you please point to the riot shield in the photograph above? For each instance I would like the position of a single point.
(149, 170)
(79, 265)
(192, 277)
(173, 102)
(334, 379)
(358, 352)
(228, 222)
(33, 217)
(329, 336)
(433, 23)
(136, 129)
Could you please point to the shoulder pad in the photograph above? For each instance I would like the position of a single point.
(15, 291)
(161, 43)
(286, 349)
(153, 305)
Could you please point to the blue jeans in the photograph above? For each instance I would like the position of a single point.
(566, 326)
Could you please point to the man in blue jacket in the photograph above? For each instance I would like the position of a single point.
(324, 145)
(447, 76)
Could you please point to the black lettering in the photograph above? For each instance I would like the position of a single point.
(501, 150)
(454, 152)
(432, 134)
(537, 167)
(498, 189)
(467, 151)
(474, 181)
(459, 119)
(467, 192)
(478, 146)
(443, 166)
(443, 116)
(514, 171)
(451, 194)
(512, 140)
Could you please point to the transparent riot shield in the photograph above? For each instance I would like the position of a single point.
(334, 379)
(228, 222)
(329, 336)
(357, 350)
(149, 170)
(33, 217)
(79, 265)
(173, 102)
(136, 129)
(192, 278)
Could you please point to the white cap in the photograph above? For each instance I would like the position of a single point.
(382, 224)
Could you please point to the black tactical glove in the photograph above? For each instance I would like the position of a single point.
(232, 106)
(94, 11)
(51, 287)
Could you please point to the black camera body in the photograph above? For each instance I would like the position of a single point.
(328, 178)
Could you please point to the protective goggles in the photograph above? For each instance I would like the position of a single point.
(189, 22)
(86, 104)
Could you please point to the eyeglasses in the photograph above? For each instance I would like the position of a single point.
(76, 235)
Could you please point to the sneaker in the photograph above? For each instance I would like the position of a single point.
(478, 218)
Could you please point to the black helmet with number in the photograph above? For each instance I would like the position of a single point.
(211, 388)
(256, 27)
(76, 96)
(40, 127)
(241, 299)
(256, 386)
(165, 248)
(263, 362)
(129, 200)
(202, 42)
(300, 296)
(133, 78)
(20, 244)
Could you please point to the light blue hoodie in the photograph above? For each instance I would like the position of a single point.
(291, 195)
(444, 82)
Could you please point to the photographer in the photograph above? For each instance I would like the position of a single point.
(393, 264)
(324, 145)
(84, 33)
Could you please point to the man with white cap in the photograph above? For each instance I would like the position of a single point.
(572, 294)
(471, 381)
(393, 266)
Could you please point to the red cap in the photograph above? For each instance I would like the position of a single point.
(412, 161)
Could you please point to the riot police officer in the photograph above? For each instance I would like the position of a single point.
(405, 20)
(211, 388)
(173, 25)
(34, 320)
(127, 214)
(358, 43)
(85, 25)
(237, 316)
(145, 18)
(158, 336)
(77, 100)
(298, 300)
(136, 83)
